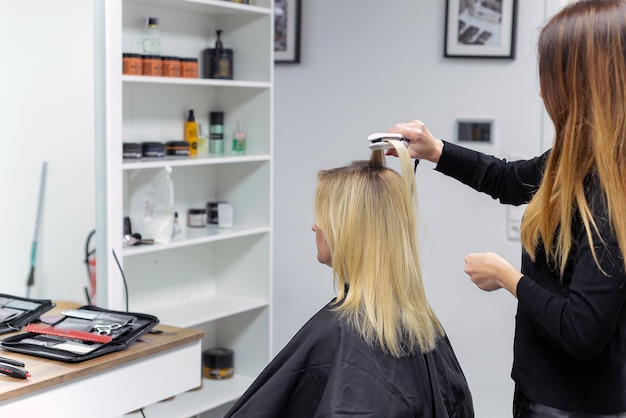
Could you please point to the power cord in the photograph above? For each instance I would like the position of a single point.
(88, 253)
(152, 331)
(123, 277)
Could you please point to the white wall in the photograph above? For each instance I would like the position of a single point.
(365, 66)
(46, 114)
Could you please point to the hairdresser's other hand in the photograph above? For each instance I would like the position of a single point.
(422, 144)
(491, 272)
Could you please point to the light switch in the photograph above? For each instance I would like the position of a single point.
(513, 221)
(475, 130)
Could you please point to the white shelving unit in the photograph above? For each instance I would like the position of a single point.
(214, 279)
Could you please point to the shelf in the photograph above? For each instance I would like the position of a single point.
(215, 279)
(213, 7)
(210, 82)
(205, 309)
(197, 401)
(197, 236)
(144, 163)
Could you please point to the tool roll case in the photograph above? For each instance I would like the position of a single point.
(15, 312)
(81, 334)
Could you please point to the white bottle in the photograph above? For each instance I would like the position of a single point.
(203, 141)
(151, 37)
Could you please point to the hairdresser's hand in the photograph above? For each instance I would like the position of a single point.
(491, 272)
(422, 145)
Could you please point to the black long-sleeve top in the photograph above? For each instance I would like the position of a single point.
(570, 334)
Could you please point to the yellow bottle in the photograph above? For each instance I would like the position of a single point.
(191, 133)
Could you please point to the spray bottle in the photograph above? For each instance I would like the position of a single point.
(191, 133)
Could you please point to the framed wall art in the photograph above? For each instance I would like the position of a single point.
(480, 28)
(287, 31)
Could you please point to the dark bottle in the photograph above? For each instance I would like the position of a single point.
(218, 61)
(216, 133)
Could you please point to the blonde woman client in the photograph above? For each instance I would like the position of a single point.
(377, 349)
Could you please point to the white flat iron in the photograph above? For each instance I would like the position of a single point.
(379, 140)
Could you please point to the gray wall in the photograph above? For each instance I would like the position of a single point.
(365, 66)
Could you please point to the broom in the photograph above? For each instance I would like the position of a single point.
(33, 249)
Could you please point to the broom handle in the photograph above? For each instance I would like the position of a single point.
(33, 248)
(42, 186)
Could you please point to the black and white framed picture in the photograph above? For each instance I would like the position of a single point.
(480, 28)
(287, 31)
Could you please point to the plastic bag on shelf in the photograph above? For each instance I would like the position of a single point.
(151, 203)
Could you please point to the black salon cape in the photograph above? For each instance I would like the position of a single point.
(327, 370)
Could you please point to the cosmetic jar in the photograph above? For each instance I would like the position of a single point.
(189, 67)
(131, 64)
(132, 150)
(177, 148)
(217, 363)
(212, 213)
(171, 67)
(196, 218)
(153, 149)
(152, 65)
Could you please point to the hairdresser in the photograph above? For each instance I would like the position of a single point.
(570, 335)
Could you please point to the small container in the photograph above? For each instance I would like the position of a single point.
(225, 215)
(153, 149)
(176, 229)
(132, 150)
(216, 133)
(218, 61)
(191, 133)
(203, 142)
(189, 67)
(177, 148)
(151, 37)
(196, 218)
(171, 67)
(212, 211)
(152, 65)
(239, 140)
(217, 363)
(131, 64)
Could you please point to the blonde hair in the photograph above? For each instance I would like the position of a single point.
(368, 215)
(582, 72)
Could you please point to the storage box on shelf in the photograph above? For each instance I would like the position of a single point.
(214, 279)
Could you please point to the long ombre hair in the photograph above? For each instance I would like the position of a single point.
(368, 215)
(582, 73)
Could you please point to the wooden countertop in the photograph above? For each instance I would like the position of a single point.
(46, 373)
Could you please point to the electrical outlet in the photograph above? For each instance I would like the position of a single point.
(513, 231)
(513, 221)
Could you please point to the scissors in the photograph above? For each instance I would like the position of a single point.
(106, 329)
